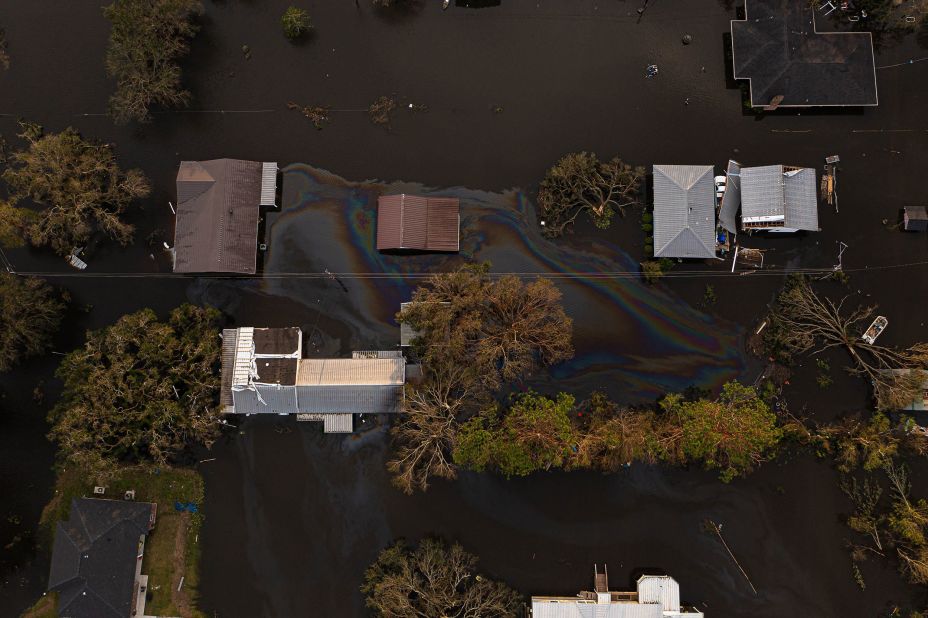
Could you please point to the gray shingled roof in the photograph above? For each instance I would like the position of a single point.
(94, 557)
(771, 190)
(779, 50)
(217, 216)
(684, 211)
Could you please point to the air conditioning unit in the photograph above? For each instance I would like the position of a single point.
(99, 491)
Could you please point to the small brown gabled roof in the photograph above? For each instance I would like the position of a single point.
(217, 216)
(418, 223)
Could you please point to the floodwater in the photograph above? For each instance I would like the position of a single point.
(294, 516)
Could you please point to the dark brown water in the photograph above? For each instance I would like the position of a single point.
(294, 517)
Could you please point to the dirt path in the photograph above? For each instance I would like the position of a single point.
(179, 598)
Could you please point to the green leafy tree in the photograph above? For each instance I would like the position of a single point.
(147, 40)
(580, 183)
(140, 391)
(30, 314)
(535, 433)
(295, 22)
(77, 186)
(732, 433)
(435, 581)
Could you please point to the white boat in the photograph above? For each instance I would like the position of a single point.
(444, 4)
(876, 329)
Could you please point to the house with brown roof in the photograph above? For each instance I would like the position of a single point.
(415, 223)
(218, 204)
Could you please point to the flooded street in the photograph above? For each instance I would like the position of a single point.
(293, 516)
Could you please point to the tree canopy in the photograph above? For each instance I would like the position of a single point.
(30, 314)
(580, 183)
(295, 22)
(732, 433)
(475, 334)
(534, 434)
(77, 186)
(140, 391)
(147, 40)
(435, 581)
(502, 329)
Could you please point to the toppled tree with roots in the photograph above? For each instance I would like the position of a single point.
(78, 187)
(580, 183)
(147, 41)
(435, 581)
(803, 321)
(140, 391)
(475, 334)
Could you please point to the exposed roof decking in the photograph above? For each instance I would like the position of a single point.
(777, 48)
(684, 211)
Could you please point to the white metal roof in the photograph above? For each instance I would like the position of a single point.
(268, 184)
(338, 423)
(244, 350)
(659, 589)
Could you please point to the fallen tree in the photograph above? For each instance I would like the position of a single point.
(805, 322)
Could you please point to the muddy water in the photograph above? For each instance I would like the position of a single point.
(293, 516)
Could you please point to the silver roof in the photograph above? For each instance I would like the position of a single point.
(731, 199)
(771, 191)
(684, 211)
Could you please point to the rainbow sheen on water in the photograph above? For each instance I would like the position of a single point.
(633, 340)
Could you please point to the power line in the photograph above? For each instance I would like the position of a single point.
(361, 276)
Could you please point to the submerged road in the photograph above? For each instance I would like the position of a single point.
(294, 517)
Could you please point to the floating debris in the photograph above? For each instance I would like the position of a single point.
(652, 70)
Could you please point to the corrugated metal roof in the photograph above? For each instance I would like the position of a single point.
(731, 199)
(684, 211)
(660, 589)
(265, 399)
(772, 191)
(350, 371)
(338, 423)
(217, 216)
(801, 200)
(229, 347)
(546, 607)
(346, 398)
(762, 191)
(269, 184)
(418, 223)
(244, 346)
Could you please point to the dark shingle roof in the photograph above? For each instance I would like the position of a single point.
(217, 216)
(94, 557)
(778, 49)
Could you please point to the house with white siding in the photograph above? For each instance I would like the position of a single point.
(263, 372)
(655, 596)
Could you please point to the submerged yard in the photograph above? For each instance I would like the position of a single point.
(293, 517)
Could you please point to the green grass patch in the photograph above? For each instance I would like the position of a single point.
(46, 607)
(172, 550)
